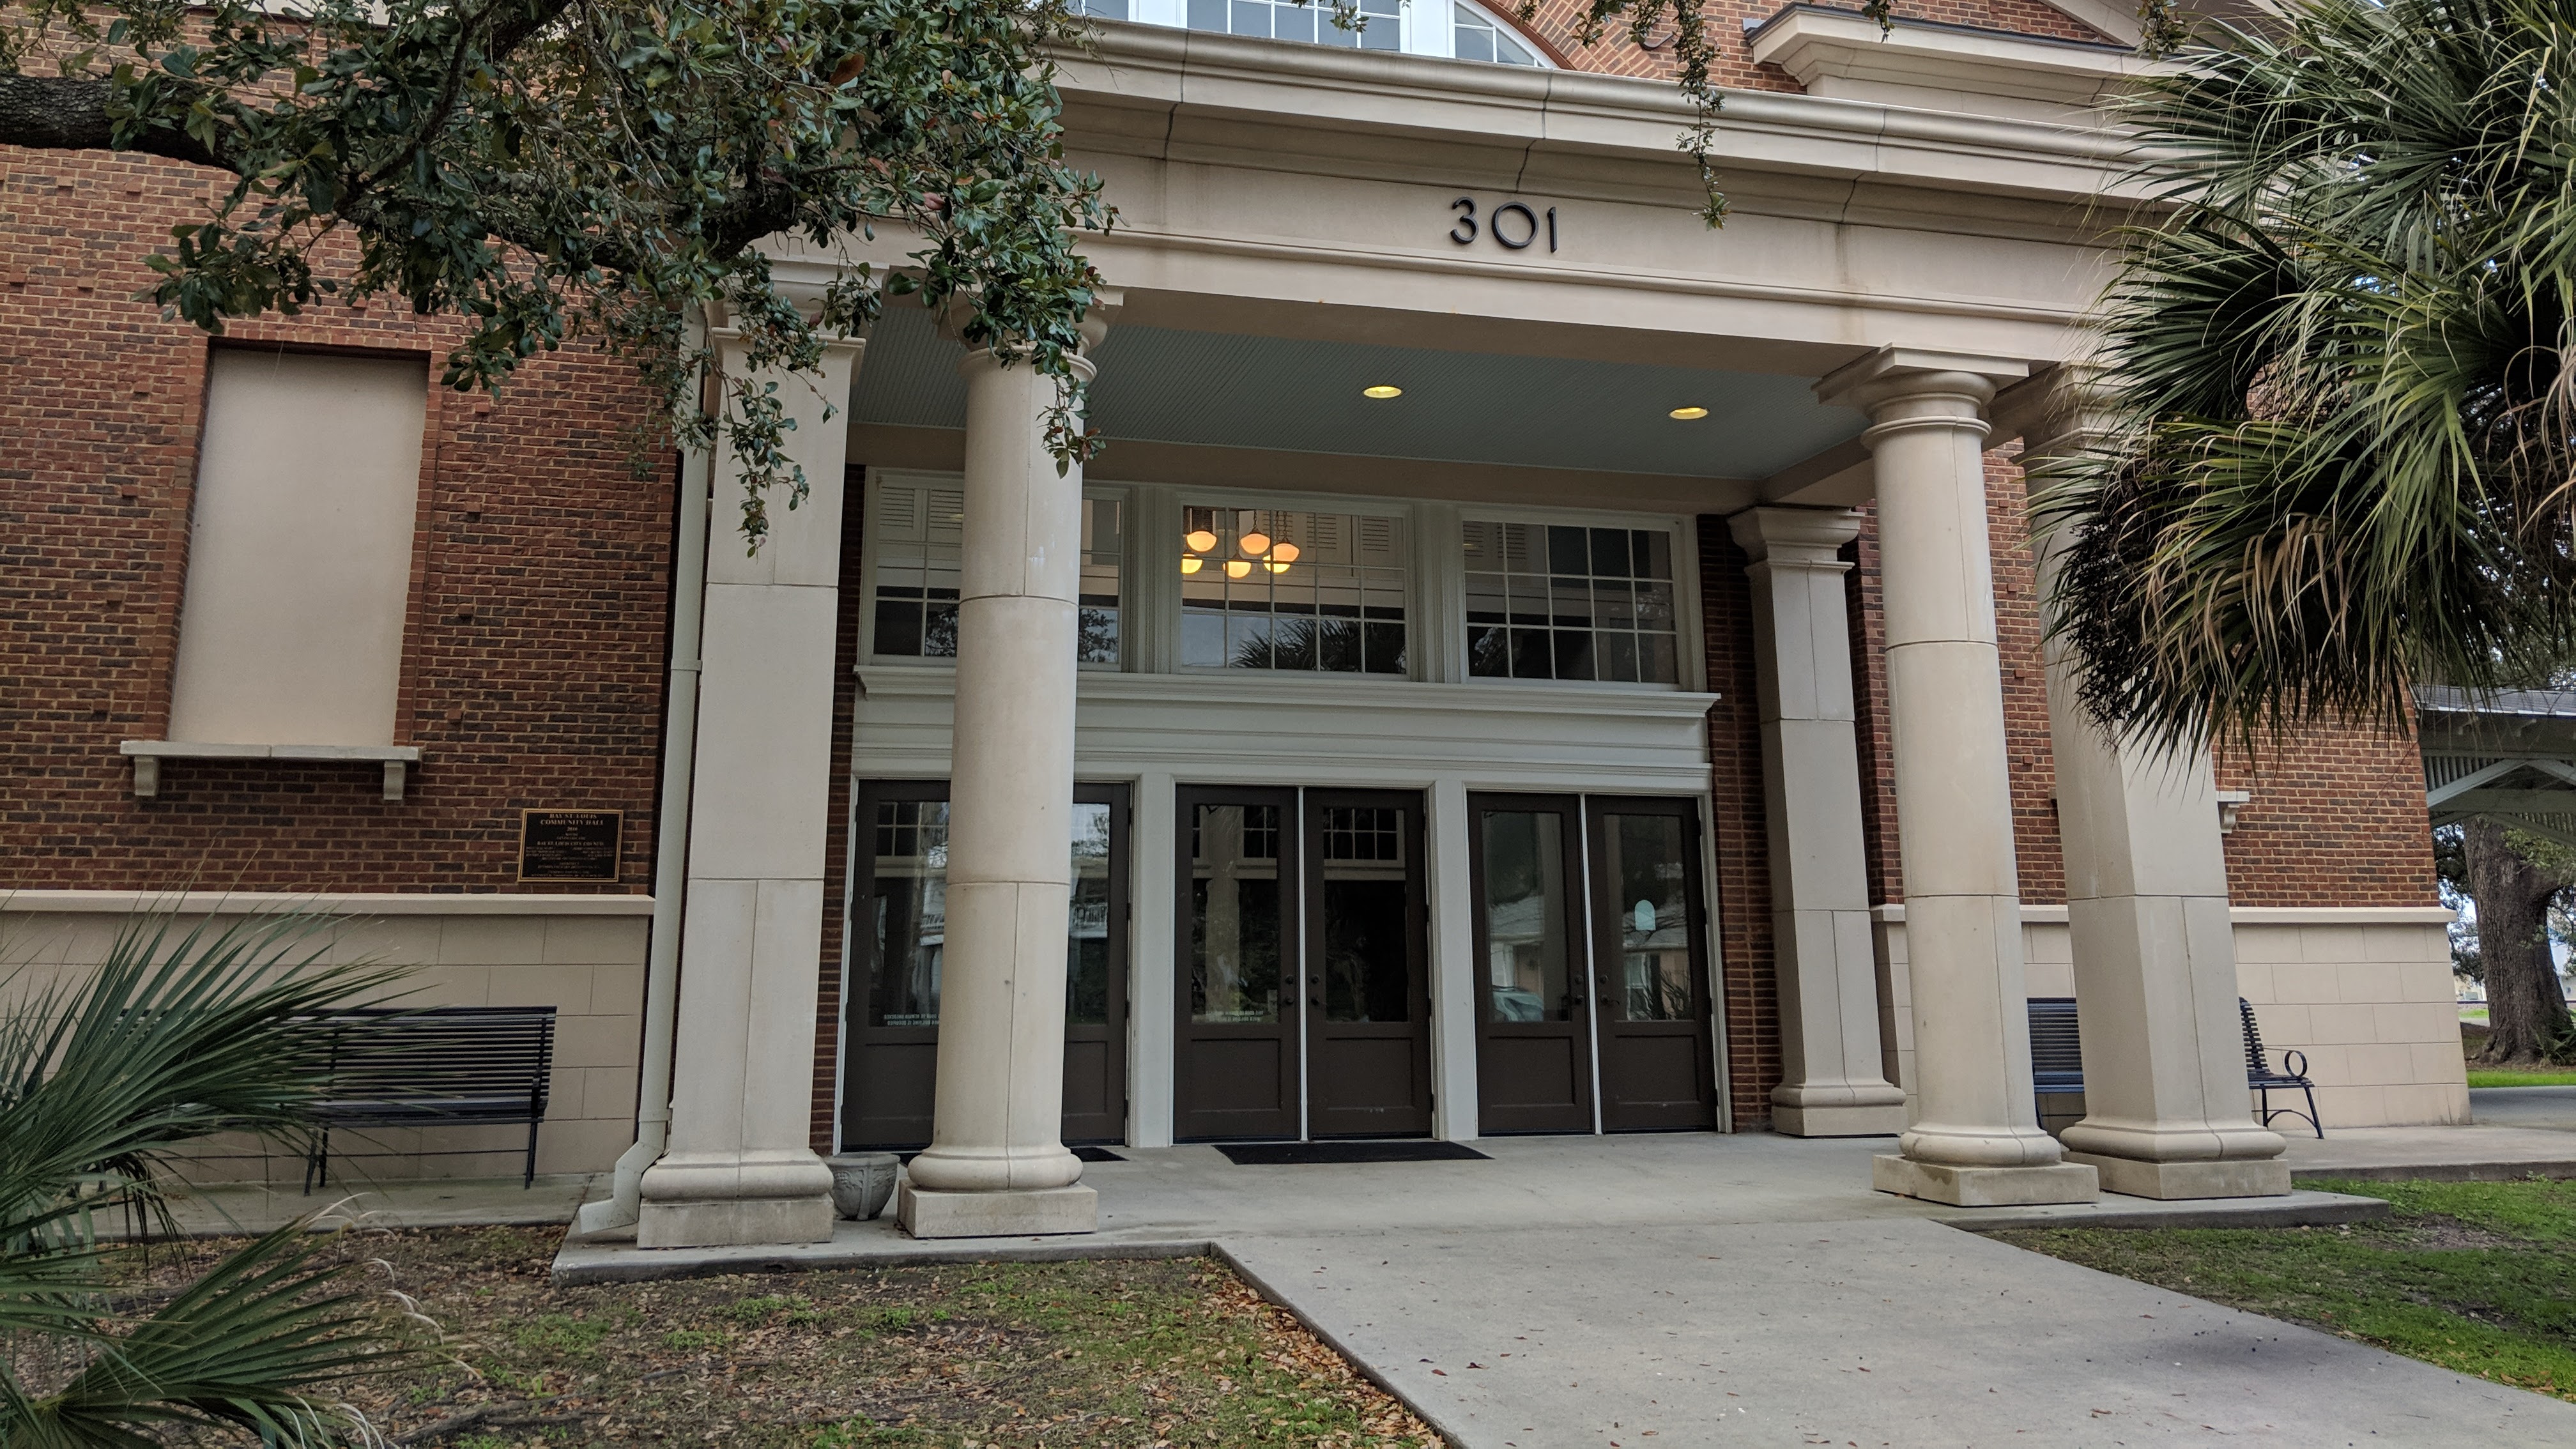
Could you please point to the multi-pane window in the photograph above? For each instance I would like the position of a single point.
(918, 531)
(1376, 25)
(1479, 38)
(1266, 588)
(1557, 601)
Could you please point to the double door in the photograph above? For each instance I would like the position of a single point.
(897, 930)
(1301, 950)
(1592, 1000)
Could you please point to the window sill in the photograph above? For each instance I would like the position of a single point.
(147, 755)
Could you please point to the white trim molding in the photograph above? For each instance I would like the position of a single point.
(1844, 55)
(381, 903)
(148, 755)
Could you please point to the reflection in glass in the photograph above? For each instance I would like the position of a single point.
(909, 906)
(1525, 960)
(909, 902)
(1366, 973)
(1234, 914)
(1553, 601)
(1096, 641)
(1278, 589)
(1086, 948)
(1647, 867)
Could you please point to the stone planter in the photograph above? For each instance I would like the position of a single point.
(862, 1182)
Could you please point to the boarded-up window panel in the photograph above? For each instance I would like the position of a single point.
(299, 560)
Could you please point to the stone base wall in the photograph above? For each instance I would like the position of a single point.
(583, 955)
(2364, 992)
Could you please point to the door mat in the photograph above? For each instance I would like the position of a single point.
(1097, 1154)
(1299, 1154)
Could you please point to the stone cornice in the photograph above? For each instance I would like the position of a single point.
(1136, 88)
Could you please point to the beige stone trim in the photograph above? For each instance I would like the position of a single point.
(1894, 915)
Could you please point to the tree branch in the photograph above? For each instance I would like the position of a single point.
(69, 113)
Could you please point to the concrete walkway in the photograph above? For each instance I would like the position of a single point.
(2481, 1153)
(1655, 1292)
(2550, 1108)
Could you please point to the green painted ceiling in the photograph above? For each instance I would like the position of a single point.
(1296, 395)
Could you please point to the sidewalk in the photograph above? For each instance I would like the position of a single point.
(1690, 1290)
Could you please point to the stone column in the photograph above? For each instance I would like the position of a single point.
(2166, 1114)
(739, 1168)
(996, 1162)
(1975, 1138)
(1827, 977)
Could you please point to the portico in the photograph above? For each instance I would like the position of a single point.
(1340, 753)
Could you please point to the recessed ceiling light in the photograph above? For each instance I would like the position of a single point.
(1382, 391)
(1688, 415)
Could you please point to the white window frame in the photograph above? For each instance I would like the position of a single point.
(1690, 644)
(1417, 622)
(869, 539)
(1421, 34)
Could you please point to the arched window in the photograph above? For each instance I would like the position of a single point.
(1461, 29)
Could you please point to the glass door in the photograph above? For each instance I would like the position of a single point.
(1650, 966)
(1236, 1043)
(1368, 978)
(1534, 1062)
(898, 932)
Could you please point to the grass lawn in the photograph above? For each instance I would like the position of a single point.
(2479, 1277)
(2480, 1077)
(1005, 1356)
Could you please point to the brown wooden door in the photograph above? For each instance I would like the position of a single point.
(1533, 983)
(1235, 949)
(1650, 965)
(1095, 994)
(1368, 978)
(897, 925)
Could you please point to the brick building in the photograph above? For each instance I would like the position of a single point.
(1548, 714)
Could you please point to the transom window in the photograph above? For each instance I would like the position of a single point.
(1265, 588)
(1379, 26)
(1478, 38)
(917, 533)
(1557, 601)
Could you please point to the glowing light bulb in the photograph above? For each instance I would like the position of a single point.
(1236, 568)
(1255, 544)
(1285, 553)
(1192, 565)
(1275, 566)
(1199, 540)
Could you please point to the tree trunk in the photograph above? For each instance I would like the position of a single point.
(2526, 1013)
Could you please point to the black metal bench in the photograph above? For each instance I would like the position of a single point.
(2057, 1061)
(450, 1066)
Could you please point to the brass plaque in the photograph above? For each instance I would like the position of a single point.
(569, 845)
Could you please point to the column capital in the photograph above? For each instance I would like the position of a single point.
(1094, 326)
(2054, 412)
(1796, 537)
(1913, 386)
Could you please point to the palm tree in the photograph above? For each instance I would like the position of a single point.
(178, 1037)
(2335, 375)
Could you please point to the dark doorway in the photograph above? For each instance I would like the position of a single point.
(1368, 975)
(1235, 1042)
(898, 934)
(1533, 986)
(1650, 965)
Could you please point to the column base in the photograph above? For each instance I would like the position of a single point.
(1009, 1213)
(2253, 1177)
(734, 1222)
(1872, 1121)
(1984, 1186)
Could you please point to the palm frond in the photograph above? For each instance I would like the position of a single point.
(2342, 415)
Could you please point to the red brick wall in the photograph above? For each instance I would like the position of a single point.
(1553, 27)
(2337, 817)
(1746, 988)
(532, 662)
